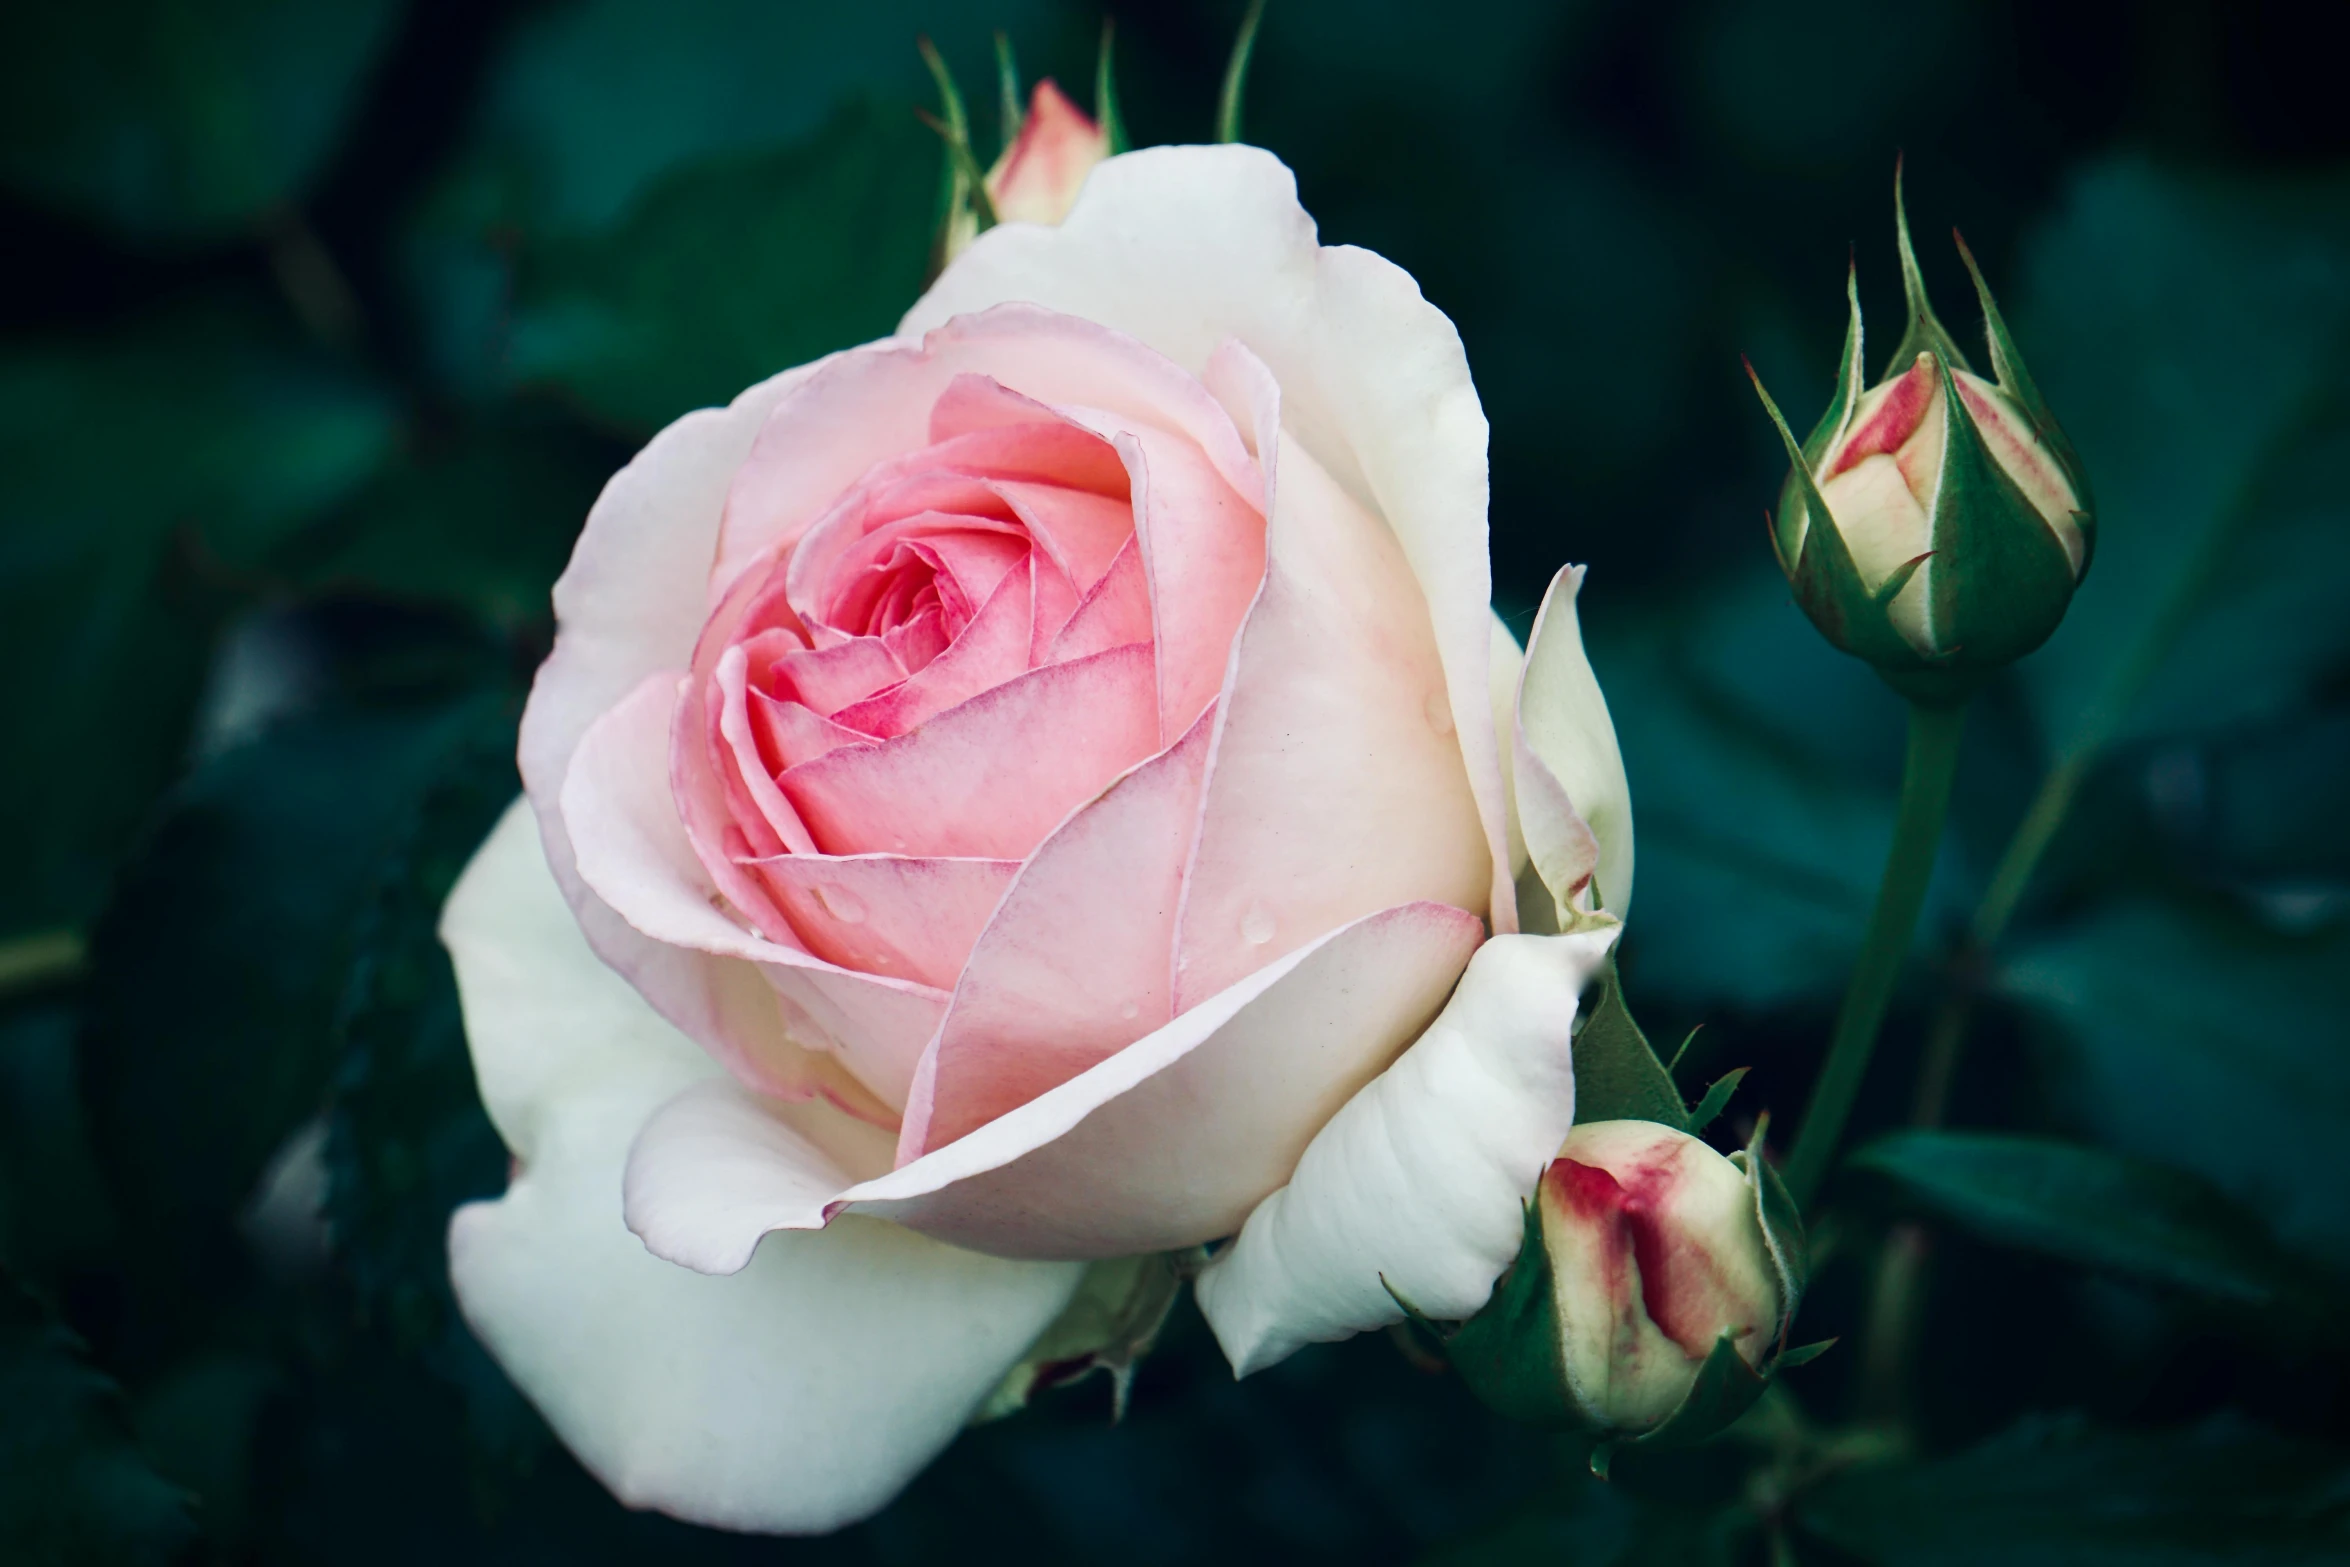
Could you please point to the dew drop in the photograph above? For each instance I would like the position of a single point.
(1130, 1011)
(841, 904)
(1256, 926)
(1438, 711)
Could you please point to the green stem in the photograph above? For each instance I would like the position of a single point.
(1917, 832)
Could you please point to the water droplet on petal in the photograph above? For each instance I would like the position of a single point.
(1256, 926)
(841, 904)
(1130, 1011)
(1438, 711)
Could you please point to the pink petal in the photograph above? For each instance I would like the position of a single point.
(1203, 549)
(987, 780)
(1116, 612)
(992, 649)
(829, 679)
(1168, 1143)
(886, 914)
(858, 409)
(622, 815)
(1337, 786)
(1073, 967)
(791, 733)
(1191, 247)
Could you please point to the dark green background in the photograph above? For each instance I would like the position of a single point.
(320, 325)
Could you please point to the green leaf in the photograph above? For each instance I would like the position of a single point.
(2195, 338)
(2194, 1036)
(2057, 1492)
(408, 1140)
(1617, 1074)
(1582, 1521)
(2084, 1205)
(180, 119)
(220, 964)
(53, 1213)
(74, 1487)
(144, 484)
(733, 270)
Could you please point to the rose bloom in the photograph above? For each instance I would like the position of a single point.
(1042, 788)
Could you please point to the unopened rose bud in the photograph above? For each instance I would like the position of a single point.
(1038, 177)
(1960, 518)
(1651, 1297)
(1656, 1255)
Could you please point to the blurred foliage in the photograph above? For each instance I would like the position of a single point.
(322, 324)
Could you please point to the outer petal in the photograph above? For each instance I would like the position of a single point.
(796, 1396)
(1183, 247)
(1573, 803)
(1336, 786)
(820, 1023)
(629, 605)
(1419, 1184)
(1168, 1143)
(1073, 964)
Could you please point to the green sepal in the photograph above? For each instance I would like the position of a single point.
(1618, 1076)
(1007, 89)
(1802, 1355)
(1726, 1387)
(1105, 94)
(1827, 583)
(1510, 1353)
(1109, 1325)
(2001, 579)
(1926, 334)
(1851, 381)
(1716, 1100)
(962, 191)
(1244, 47)
(1781, 1221)
(2007, 366)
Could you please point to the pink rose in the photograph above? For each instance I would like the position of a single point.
(1020, 794)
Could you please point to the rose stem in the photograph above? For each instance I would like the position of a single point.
(1917, 831)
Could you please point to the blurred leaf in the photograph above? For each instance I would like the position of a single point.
(180, 119)
(591, 107)
(2196, 1037)
(1584, 1522)
(1763, 765)
(408, 1138)
(730, 271)
(199, 1421)
(2193, 337)
(2085, 1205)
(484, 524)
(220, 963)
(2056, 1492)
(74, 1487)
(52, 1204)
(142, 483)
(600, 101)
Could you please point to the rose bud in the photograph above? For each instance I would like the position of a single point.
(1960, 517)
(1656, 1255)
(1651, 1297)
(1038, 177)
